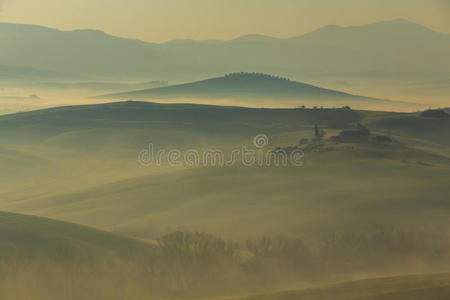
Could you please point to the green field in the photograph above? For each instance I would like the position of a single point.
(86, 158)
(436, 287)
(360, 209)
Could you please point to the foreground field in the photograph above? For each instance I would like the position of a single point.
(63, 260)
(418, 287)
(80, 164)
(349, 210)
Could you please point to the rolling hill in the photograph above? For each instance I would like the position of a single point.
(123, 195)
(41, 125)
(24, 236)
(62, 260)
(257, 90)
(417, 287)
(240, 85)
(42, 259)
(353, 209)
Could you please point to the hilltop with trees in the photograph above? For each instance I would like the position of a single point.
(255, 88)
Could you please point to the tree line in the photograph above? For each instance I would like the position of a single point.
(244, 75)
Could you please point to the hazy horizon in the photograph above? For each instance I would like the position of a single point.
(224, 149)
(160, 21)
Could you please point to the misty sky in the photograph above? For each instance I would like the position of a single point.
(161, 20)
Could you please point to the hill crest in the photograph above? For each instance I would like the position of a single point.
(236, 85)
(327, 51)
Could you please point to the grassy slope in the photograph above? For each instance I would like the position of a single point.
(79, 164)
(31, 236)
(134, 124)
(44, 240)
(107, 138)
(436, 287)
(47, 259)
(424, 134)
(241, 201)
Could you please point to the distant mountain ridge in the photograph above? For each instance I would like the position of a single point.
(392, 46)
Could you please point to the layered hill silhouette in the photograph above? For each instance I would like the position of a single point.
(140, 202)
(238, 85)
(254, 86)
(392, 46)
